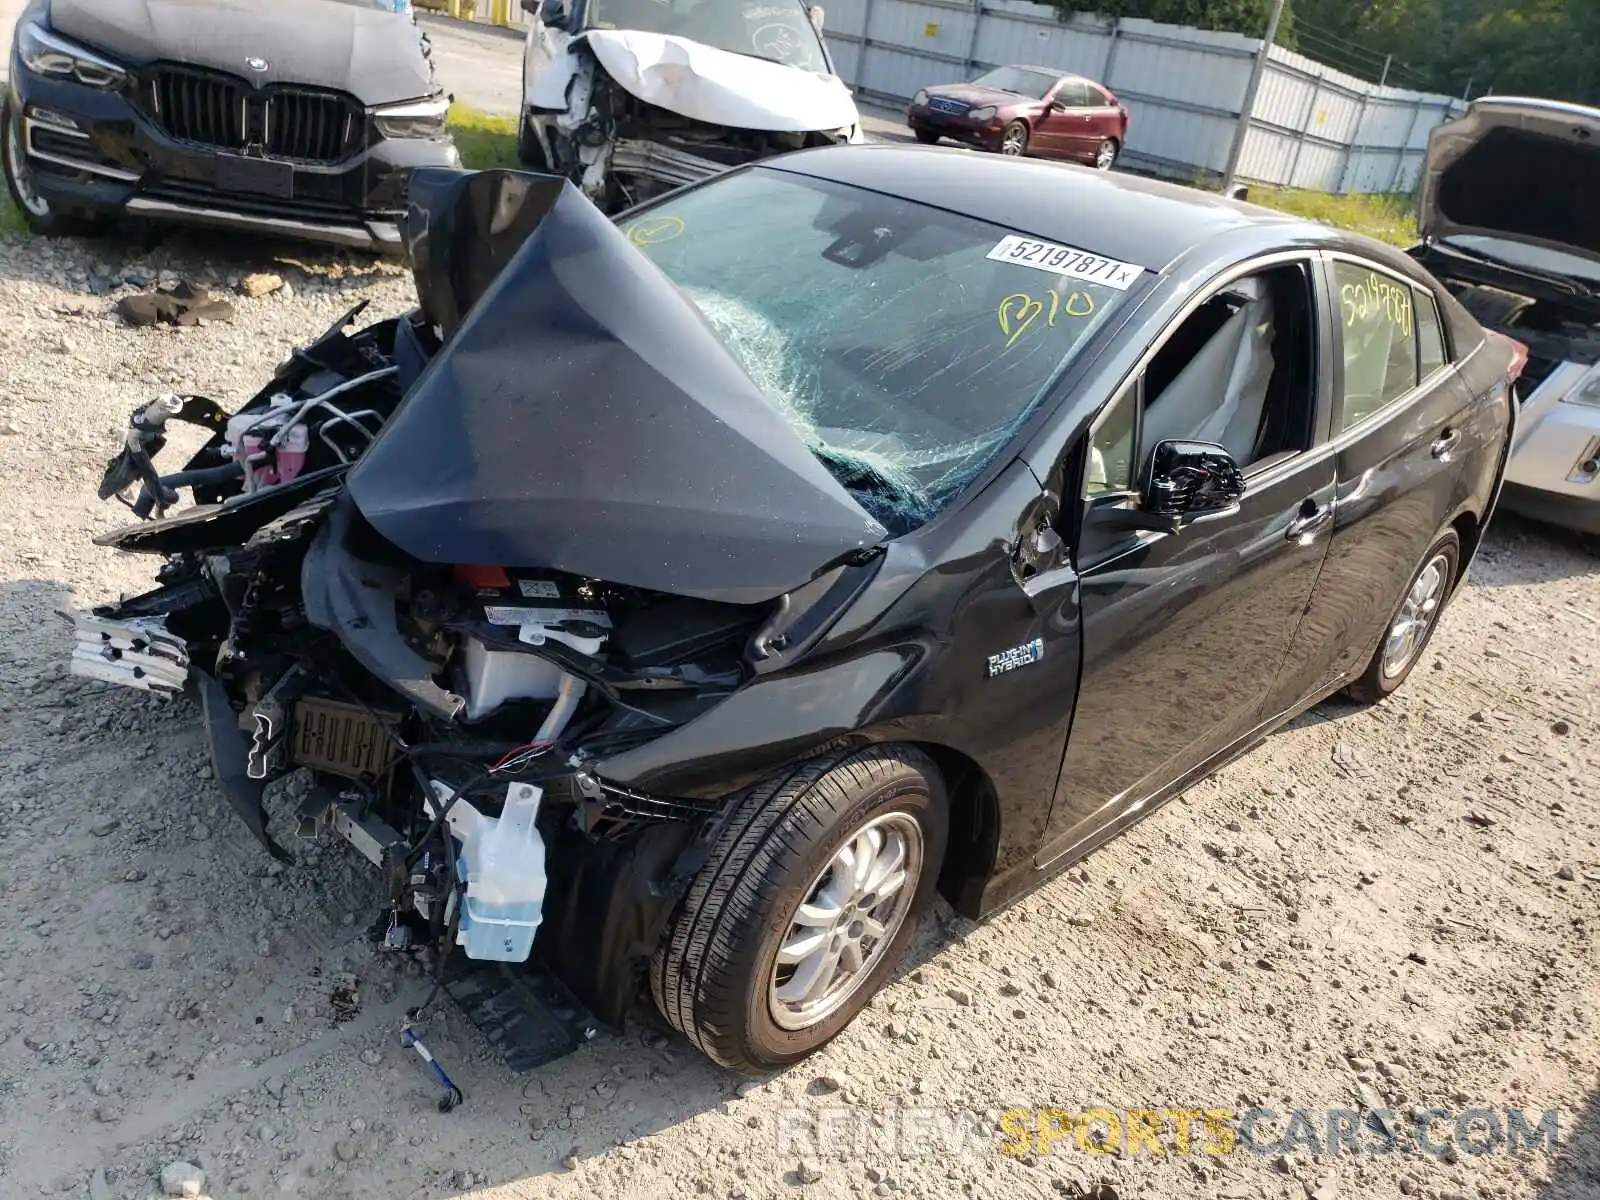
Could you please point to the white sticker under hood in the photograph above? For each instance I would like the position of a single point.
(720, 88)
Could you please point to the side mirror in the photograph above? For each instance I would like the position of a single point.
(814, 11)
(1184, 483)
(1058, 106)
(1190, 480)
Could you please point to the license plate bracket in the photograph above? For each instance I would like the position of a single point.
(258, 176)
(342, 739)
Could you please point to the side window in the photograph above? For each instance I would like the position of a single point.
(1430, 337)
(1240, 371)
(1074, 93)
(1110, 468)
(1378, 328)
(1099, 98)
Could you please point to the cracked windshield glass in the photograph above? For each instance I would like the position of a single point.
(903, 343)
(777, 30)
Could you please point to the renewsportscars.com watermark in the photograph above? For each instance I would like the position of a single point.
(842, 1131)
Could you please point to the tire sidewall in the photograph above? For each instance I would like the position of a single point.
(1447, 543)
(1027, 137)
(9, 121)
(907, 791)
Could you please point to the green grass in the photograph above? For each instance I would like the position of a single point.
(10, 216)
(1389, 218)
(484, 141)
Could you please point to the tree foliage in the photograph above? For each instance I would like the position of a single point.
(1512, 47)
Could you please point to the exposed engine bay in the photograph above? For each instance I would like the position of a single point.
(1554, 329)
(443, 650)
(627, 115)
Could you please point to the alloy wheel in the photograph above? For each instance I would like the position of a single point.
(21, 173)
(847, 921)
(1015, 140)
(1418, 611)
(1106, 156)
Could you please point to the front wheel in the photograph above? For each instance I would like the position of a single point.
(926, 136)
(1015, 139)
(530, 151)
(37, 211)
(1412, 624)
(808, 900)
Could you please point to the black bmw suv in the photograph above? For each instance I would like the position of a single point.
(301, 118)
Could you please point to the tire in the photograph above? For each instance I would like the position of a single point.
(1014, 141)
(926, 136)
(1383, 674)
(41, 216)
(1105, 154)
(530, 152)
(715, 976)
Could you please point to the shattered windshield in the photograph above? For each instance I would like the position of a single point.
(776, 30)
(1017, 79)
(904, 344)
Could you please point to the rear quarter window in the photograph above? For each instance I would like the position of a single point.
(1431, 354)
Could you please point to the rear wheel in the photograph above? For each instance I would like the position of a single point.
(1105, 155)
(1015, 138)
(808, 900)
(38, 212)
(1412, 624)
(926, 136)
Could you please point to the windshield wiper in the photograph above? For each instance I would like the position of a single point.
(1558, 281)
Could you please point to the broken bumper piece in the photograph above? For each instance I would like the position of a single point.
(137, 653)
(664, 163)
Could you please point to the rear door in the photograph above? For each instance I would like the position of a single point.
(1402, 427)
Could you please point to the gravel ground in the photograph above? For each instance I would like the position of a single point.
(1389, 906)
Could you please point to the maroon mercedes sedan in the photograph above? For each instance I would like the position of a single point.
(1025, 110)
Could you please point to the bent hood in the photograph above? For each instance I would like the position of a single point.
(584, 417)
(376, 56)
(1525, 170)
(720, 88)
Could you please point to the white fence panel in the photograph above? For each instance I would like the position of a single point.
(1310, 127)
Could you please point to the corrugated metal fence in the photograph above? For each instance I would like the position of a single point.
(1311, 126)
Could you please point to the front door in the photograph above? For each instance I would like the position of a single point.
(1061, 131)
(1183, 633)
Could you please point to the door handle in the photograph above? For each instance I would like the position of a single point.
(1444, 445)
(1302, 528)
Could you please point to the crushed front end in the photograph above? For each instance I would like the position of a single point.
(401, 583)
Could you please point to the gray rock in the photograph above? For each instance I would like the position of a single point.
(104, 826)
(182, 1179)
(346, 1150)
(808, 1171)
(1565, 872)
(960, 995)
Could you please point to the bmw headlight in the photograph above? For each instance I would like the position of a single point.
(982, 114)
(45, 52)
(920, 98)
(1587, 392)
(422, 119)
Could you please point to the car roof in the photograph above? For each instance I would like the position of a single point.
(1143, 221)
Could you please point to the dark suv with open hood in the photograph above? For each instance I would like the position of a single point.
(301, 117)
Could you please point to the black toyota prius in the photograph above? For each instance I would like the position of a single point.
(677, 603)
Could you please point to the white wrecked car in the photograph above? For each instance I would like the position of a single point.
(629, 98)
(1511, 224)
